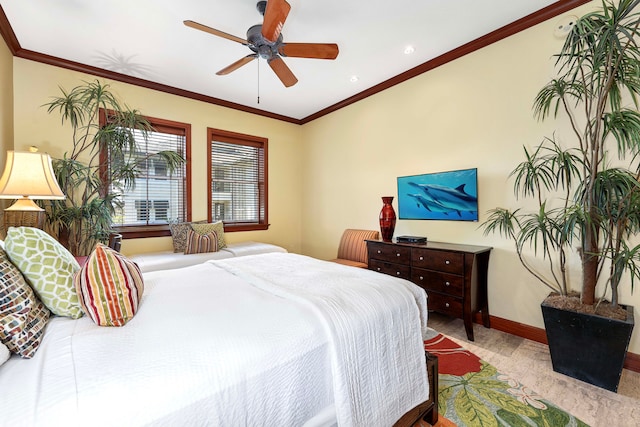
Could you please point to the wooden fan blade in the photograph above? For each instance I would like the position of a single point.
(215, 32)
(282, 71)
(239, 63)
(274, 17)
(310, 50)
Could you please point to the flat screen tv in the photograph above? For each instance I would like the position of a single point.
(451, 195)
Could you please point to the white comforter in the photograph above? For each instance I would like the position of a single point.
(221, 345)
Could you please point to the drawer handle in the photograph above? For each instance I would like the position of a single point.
(397, 273)
(447, 262)
(446, 304)
(378, 268)
(421, 278)
(421, 258)
(379, 251)
(397, 254)
(447, 284)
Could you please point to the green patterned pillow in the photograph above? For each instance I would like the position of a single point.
(218, 227)
(47, 266)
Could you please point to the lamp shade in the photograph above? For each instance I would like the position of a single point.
(29, 175)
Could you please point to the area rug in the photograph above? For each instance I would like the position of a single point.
(472, 393)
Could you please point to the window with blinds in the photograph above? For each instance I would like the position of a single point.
(158, 195)
(237, 180)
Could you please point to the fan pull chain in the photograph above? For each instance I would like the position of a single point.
(258, 61)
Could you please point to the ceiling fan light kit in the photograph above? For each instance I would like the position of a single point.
(265, 41)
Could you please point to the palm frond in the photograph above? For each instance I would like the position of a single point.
(101, 165)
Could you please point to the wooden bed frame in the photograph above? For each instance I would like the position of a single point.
(428, 410)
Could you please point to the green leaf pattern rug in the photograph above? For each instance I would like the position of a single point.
(473, 393)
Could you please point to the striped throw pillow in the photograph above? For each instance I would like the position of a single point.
(200, 243)
(217, 226)
(179, 233)
(110, 287)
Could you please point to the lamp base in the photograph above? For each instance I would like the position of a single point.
(24, 204)
(14, 218)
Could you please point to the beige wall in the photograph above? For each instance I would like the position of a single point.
(35, 83)
(6, 103)
(473, 112)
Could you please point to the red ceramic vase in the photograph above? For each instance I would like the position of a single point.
(387, 219)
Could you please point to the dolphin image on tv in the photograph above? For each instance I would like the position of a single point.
(456, 199)
(431, 205)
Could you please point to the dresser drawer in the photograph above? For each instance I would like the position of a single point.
(450, 262)
(444, 304)
(389, 253)
(440, 282)
(392, 269)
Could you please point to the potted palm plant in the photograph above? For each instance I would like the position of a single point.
(104, 161)
(586, 194)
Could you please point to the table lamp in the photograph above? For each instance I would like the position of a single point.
(27, 176)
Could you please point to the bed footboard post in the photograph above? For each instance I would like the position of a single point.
(428, 410)
(431, 415)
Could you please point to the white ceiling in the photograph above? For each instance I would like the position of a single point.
(147, 39)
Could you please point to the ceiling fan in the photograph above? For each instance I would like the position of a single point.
(265, 40)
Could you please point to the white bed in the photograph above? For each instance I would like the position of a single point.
(265, 340)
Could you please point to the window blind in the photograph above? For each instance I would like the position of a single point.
(158, 195)
(237, 176)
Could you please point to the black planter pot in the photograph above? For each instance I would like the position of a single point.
(588, 347)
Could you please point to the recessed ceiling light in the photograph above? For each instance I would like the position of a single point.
(354, 79)
(409, 50)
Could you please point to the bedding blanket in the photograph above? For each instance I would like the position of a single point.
(375, 325)
(219, 344)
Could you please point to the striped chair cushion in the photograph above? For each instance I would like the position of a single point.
(201, 243)
(353, 246)
(23, 316)
(110, 287)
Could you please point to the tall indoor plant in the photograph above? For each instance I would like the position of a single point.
(104, 161)
(587, 195)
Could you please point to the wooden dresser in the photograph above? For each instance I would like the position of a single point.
(454, 276)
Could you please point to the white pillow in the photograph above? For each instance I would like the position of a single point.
(4, 353)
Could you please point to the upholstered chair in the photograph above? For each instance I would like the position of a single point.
(353, 247)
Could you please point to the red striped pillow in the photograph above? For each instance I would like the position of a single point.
(201, 243)
(109, 287)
